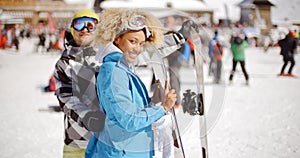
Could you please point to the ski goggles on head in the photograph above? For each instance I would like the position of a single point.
(137, 23)
(80, 23)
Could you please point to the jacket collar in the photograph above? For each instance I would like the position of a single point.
(77, 53)
(111, 53)
(113, 57)
(119, 58)
(104, 50)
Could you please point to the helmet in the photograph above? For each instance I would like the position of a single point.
(84, 13)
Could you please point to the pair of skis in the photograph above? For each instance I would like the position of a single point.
(200, 88)
(160, 73)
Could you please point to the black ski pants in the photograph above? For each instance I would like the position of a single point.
(286, 61)
(242, 63)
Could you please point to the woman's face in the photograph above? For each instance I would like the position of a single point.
(131, 44)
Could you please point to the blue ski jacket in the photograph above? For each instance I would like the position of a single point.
(129, 113)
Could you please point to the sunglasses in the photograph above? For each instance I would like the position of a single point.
(80, 23)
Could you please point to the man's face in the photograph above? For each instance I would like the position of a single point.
(131, 43)
(84, 31)
(84, 37)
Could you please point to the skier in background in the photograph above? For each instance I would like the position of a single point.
(3, 39)
(211, 45)
(42, 39)
(288, 47)
(238, 46)
(217, 57)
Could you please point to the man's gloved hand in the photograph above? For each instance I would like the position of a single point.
(186, 28)
(94, 121)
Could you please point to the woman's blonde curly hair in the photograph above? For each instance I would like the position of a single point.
(113, 21)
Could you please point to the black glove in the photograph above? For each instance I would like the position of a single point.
(94, 121)
(186, 28)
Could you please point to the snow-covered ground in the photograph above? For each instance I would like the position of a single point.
(26, 130)
(259, 120)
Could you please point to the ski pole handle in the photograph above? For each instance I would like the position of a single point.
(166, 86)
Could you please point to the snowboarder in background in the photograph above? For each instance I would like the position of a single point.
(238, 46)
(288, 47)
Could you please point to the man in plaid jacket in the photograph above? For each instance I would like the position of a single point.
(74, 76)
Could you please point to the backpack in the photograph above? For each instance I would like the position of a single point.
(218, 51)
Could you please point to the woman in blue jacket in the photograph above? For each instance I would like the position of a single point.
(122, 95)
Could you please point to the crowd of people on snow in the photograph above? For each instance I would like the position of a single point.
(239, 42)
(108, 112)
(12, 35)
(9, 38)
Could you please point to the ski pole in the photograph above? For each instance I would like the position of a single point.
(173, 110)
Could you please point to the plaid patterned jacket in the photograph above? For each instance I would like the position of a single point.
(75, 74)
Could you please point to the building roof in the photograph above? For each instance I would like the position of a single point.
(263, 2)
(246, 4)
(282, 12)
(252, 3)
